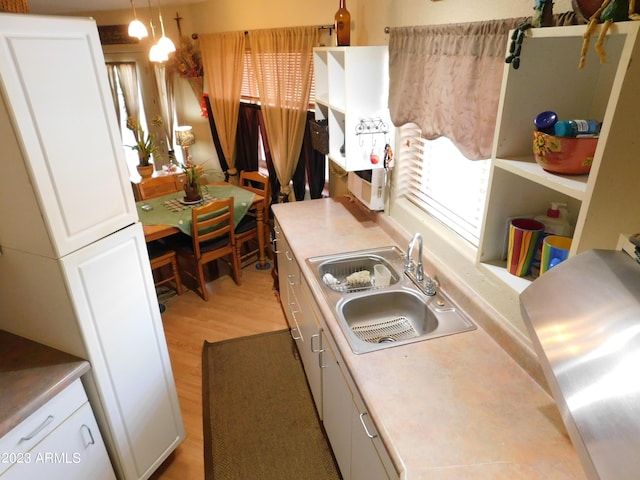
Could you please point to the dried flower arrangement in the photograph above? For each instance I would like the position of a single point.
(187, 60)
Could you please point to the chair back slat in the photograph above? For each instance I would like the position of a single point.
(257, 183)
(156, 187)
(210, 221)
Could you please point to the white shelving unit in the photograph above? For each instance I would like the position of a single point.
(352, 85)
(602, 204)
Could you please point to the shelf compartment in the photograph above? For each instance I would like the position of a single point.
(574, 186)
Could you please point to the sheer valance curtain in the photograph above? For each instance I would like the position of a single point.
(446, 79)
(284, 92)
(223, 62)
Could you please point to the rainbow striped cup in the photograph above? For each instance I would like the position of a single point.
(525, 235)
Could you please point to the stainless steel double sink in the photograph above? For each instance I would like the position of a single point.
(374, 317)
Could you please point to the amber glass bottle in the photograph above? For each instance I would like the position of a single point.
(343, 25)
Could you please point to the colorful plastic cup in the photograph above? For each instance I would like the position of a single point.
(555, 249)
(525, 235)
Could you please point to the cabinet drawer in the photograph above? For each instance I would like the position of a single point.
(40, 423)
(73, 451)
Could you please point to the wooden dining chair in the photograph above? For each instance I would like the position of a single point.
(247, 229)
(161, 257)
(212, 238)
(156, 187)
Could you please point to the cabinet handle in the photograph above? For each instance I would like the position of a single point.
(290, 280)
(91, 439)
(46, 422)
(366, 430)
(274, 241)
(321, 359)
(293, 336)
(313, 349)
(288, 255)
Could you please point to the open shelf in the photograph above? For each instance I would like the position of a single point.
(601, 204)
(572, 185)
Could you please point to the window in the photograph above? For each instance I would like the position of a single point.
(249, 92)
(436, 177)
(127, 135)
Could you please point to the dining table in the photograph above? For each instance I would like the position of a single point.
(170, 214)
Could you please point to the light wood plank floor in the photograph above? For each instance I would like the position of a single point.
(232, 311)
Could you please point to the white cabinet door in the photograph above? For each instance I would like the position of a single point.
(288, 276)
(73, 451)
(310, 347)
(336, 408)
(124, 340)
(366, 463)
(63, 152)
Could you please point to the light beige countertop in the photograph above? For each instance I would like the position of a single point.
(456, 407)
(31, 374)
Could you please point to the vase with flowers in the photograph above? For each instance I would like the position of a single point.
(145, 145)
(192, 172)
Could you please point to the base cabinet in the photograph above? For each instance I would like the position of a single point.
(354, 440)
(62, 446)
(336, 408)
(356, 446)
(305, 330)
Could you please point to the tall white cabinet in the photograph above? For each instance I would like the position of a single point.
(602, 204)
(74, 270)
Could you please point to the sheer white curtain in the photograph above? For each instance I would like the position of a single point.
(128, 76)
(223, 60)
(166, 102)
(113, 86)
(284, 88)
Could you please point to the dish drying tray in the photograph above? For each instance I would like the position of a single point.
(339, 270)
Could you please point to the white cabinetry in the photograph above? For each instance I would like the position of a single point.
(74, 270)
(56, 111)
(355, 443)
(352, 85)
(336, 408)
(357, 448)
(60, 441)
(294, 295)
(602, 204)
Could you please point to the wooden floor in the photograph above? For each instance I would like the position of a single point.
(232, 311)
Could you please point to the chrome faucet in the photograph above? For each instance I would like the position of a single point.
(426, 286)
(409, 265)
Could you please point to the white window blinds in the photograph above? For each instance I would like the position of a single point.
(249, 92)
(437, 178)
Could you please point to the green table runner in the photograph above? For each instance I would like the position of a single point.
(167, 210)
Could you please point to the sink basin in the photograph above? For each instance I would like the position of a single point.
(388, 317)
(340, 273)
(373, 318)
(396, 317)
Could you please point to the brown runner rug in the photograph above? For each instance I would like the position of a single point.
(259, 417)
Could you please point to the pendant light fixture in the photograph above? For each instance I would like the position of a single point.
(156, 54)
(164, 42)
(136, 27)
